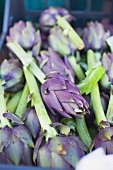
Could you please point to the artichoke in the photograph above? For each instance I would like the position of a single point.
(16, 145)
(51, 62)
(59, 152)
(94, 36)
(15, 141)
(26, 35)
(63, 96)
(104, 139)
(11, 74)
(61, 43)
(48, 17)
(31, 121)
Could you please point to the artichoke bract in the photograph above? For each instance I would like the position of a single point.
(26, 35)
(104, 139)
(63, 96)
(4, 159)
(50, 61)
(60, 152)
(11, 75)
(61, 43)
(94, 36)
(31, 121)
(48, 17)
(107, 61)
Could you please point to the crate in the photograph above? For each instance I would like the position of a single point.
(15, 10)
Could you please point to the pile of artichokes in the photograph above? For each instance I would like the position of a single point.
(56, 92)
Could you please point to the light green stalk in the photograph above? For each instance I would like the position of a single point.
(77, 68)
(3, 121)
(13, 102)
(83, 131)
(109, 114)
(7, 97)
(95, 94)
(62, 22)
(22, 105)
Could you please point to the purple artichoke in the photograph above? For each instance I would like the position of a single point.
(16, 144)
(63, 96)
(15, 140)
(59, 152)
(104, 139)
(48, 17)
(26, 35)
(94, 36)
(11, 74)
(31, 121)
(61, 43)
(51, 62)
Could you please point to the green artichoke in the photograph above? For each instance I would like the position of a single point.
(59, 152)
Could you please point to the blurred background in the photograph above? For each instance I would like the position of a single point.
(97, 5)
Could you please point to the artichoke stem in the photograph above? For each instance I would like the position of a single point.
(98, 56)
(22, 105)
(83, 132)
(97, 105)
(95, 94)
(91, 60)
(63, 23)
(109, 114)
(13, 102)
(77, 68)
(3, 121)
(80, 123)
(26, 60)
(42, 114)
(37, 72)
(8, 95)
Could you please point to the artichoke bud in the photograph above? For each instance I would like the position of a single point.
(11, 74)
